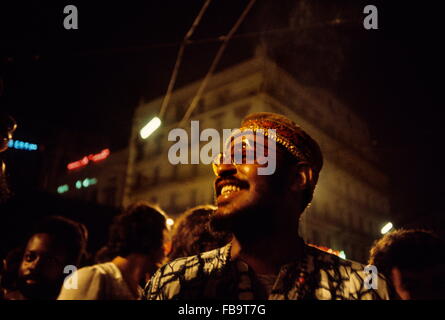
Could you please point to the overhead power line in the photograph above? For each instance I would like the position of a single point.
(174, 75)
(215, 62)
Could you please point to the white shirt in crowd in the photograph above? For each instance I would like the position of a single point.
(99, 282)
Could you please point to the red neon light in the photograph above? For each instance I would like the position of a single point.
(93, 157)
(100, 156)
(326, 249)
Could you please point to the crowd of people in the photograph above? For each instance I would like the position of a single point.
(245, 246)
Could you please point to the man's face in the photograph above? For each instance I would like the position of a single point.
(41, 271)
(243, 196)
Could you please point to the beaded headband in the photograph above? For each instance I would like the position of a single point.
(281, 134)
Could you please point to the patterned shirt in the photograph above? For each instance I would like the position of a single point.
(213, 275)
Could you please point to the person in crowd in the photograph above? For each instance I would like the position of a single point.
(266, 258)
(414, 261)
(192, 234)
(136, 241)
(10, 267)
(102, 255)
(7, 127)
(55, 243)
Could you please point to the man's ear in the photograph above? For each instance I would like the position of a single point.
(167, 247)
(304, 177)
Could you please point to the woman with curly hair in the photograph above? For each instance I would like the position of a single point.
(192, 233)
(136, 241)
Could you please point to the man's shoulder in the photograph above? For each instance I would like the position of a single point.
(88, 281)
(98, 271)
(357, 281)
(166, 282)
(207, 261)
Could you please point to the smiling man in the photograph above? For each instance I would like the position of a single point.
(266, 258)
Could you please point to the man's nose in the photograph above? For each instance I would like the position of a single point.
(223, 169)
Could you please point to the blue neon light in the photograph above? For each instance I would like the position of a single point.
(21, 145)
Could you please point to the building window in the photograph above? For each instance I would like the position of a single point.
(360, 223)
(155, 175)
(218, 118)
(179, 109)
(316, 237)
(159, 140)
(110, 196)
(194, 170)
(241, 111)
(174, 172)
(139, 150)
(328, 241)
(93, 195)
(222, 98)
(351, 220)
(138, 181)
(212, 197)
(173, 198)
(193, 196)
(201, 106)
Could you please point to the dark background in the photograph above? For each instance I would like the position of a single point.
(74, 91)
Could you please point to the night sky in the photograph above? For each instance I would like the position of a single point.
(76, 90)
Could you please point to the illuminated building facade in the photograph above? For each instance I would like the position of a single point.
(350, 204)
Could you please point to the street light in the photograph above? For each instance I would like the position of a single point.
(150, 127)
(386, 228)
(170, 222)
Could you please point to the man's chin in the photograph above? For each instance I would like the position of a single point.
(228, 219)
(222, 221)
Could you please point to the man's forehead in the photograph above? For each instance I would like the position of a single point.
(40, 242)
(239, 136)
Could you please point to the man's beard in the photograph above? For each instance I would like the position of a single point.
(39, 291)
(248, 221)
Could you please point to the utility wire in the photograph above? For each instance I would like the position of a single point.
(215, 62)
(252, 34)
(174, 75)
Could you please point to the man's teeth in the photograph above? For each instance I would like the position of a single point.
(229, 189)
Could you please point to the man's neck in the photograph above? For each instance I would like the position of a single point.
(268, 253)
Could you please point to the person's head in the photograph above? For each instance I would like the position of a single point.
(11, 265)
(140, 230)
(414, 261)
(55, 243)
(192, 234)
(246, 198)
(7, 127)
(103, 255)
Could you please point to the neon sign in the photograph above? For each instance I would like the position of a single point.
(21, 145)
(63, 189)
(85, 160)
(85, 183)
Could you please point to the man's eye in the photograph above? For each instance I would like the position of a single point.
(29, 257)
